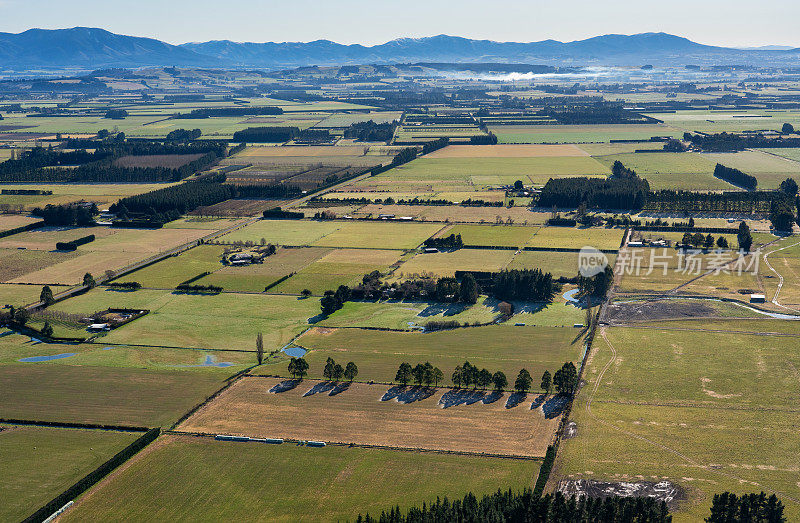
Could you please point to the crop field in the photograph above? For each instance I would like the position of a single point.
(198, 478)
(18, 295)
(83, 394)
(201, 320)
(492, 235)
(447, 263)
(169, 161)
(556, 263)
(378, 415)
(790, 153)
(168, 273)
(680, 171)
(282, 232)
(495, 347)
(729, 120)
(651, 397)
(102, 194)
(12, 221)
(376, 235)
(506, 151)
(15, 263)
(338, 267)
(512, 134)
(40, 463)
(488, 171)
(769, 169)
(520, 215)
(577, 238)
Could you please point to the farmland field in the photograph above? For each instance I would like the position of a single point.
(492, 235)
(371, 235)
(510, 134)
(40, 463)
(496, 347)
(657, 392)
(169, 478)
(567, 238)
(200, 320)
(447, 263)
(378, 415)
(680, 171)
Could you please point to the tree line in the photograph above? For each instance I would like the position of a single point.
(525, 506)
(196, 114)
(370, 131)
(422, 374)
(266, 134)
(78, 214)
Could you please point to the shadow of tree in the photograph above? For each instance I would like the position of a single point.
(515, 399)
(339, 388)
(445, 309)
(284, 386)
(454, 397)
(491, 398)
(317, 318)
(407, 395)
(555, 406)
(538, 401)
(321, 387)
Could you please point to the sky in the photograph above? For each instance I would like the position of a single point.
(733, 23)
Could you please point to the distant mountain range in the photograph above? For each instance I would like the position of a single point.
(92, 48)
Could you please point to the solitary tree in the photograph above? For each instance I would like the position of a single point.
(260, 348)
(547, 382)
(744, 238)
(468, 290)
(88, 280)
(46, 296)
(47, 330)
(305, 293)
(523, 382)
(500, 381)
(787, 128)
(350, 371)
(327, 371)
(438, 376)
(298, 367)
(457, 376)
(338, 372)
(484, 378)
(403, 373)
(722, 243)
(518, 185)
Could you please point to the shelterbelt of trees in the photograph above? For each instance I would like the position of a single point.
(42, 164)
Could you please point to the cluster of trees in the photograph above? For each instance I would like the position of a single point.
(597, 113)
(618, 170)
(183, 135)
(735, 177)
(185, 287)
(565, 379)
(751, 508)
(279, 214)
(126, 285)
(451, 242)
(46, 296)
(483, 139)
(80, 214)
(370, 131)
(74, 244)
(523, 284)
(468, 374)
(332, 301)
(298, 367)
(197, 114)
(116, 114)
(510, 506)
(404, 156)
(597, 285)
(700, 241)
(674, 146)
(266, 134)
(422, 374)
(334, 371)
(171, 202)
(607, 193)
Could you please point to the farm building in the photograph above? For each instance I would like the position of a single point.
(758, 298)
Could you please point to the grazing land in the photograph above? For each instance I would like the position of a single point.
(197, 478)
(40, 463)
(379, 415)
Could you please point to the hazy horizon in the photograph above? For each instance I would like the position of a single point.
(736, 24)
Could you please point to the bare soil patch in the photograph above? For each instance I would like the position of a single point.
(661, 491)
(658, 310)
(363, 414)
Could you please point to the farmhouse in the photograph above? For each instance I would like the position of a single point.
(758, 298)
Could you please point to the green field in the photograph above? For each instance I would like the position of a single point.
(221, 321)
(729, 120)
(496, 347)
(692, 408)
(579, 133)
(40, 463)
(769, 169)
(680, 171)
(447, 263)
(170, 272)
(492, 235)
(17, 295)
(571, 238)
(203, 479)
